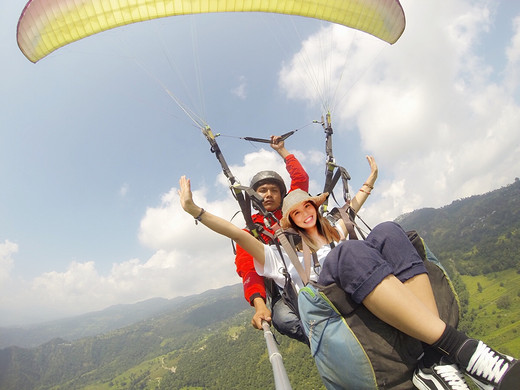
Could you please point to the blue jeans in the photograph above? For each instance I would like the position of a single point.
(286, 321)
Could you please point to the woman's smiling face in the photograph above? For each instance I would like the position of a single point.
(304, 215)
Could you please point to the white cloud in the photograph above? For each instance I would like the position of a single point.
(429, 108)
(7, 249)
(199, 264)
(240, 90)
(123, 191)
(512, 74)
(253, 163)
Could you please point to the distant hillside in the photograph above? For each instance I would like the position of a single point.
(91, 324)
(75, 328)
(205, 342)
(480, 234)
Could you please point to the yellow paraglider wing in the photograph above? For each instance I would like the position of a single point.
(46, 25)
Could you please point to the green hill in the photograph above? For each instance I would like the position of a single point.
(479, 234)
(493, 313)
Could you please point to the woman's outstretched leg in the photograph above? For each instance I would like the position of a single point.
(391, 302)
(392, 242)
(396, 305)
(421, 287)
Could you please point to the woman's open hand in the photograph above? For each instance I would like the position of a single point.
(186, 197)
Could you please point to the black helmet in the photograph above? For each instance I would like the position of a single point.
(263, 177)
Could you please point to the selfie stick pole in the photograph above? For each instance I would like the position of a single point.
(281, 380)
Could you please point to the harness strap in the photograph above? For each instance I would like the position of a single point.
(331, 181)
(307, 254)
(348, 215)
(236, 189)
(330, 164)
(317, 264)
(245, 196)
(306, 262)
(291, 252)
(347, 220)
(333, 172)
(218, 153)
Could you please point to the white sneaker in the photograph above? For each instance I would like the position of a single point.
(491, 370)
(439, 377)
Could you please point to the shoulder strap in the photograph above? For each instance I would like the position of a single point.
(306, 261)
(316, 263)
(291, 252)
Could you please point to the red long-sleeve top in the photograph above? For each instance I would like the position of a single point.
(254, 283)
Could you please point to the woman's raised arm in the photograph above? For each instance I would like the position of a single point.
(254, 247)
(362, 195)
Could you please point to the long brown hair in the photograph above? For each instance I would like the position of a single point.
(324, 228)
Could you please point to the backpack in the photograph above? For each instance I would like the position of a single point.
(352, 348)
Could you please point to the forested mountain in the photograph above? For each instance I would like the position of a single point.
(480, 234)
(206, 341)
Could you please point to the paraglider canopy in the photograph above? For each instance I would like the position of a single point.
(46, 25)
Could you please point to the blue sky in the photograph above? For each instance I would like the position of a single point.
(92, 145)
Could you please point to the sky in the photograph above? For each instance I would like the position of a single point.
(93, 138)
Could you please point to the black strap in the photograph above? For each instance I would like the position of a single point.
(243, 195)
(316, 264)
(333, 172)
(218, 153)
(331, 181)
(288, 294)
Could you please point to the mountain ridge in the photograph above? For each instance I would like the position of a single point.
(100, 321)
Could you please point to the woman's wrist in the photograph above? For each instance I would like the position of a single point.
(198, 215)
(192, 209)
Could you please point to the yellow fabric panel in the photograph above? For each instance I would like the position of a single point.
(46, 25)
